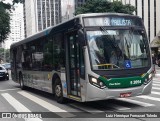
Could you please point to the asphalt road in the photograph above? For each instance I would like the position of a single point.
(13, 99)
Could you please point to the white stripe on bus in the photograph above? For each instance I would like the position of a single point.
(46, 105)
(18, 106)
(144, 104)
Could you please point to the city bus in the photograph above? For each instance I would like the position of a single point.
(91, 57)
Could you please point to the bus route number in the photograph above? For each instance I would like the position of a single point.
(135, 82)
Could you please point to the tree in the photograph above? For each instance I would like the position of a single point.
(4, 55)
(4, 21)
(5, 18)
(101, 6)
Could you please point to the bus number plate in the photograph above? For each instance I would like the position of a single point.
(128, 94)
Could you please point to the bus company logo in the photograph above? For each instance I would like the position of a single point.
(114, 84)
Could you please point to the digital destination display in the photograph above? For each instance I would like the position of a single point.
(112, 21)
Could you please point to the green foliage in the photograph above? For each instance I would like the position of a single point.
(102, 6)
(4, 22)
(5, 18)
(4, 55)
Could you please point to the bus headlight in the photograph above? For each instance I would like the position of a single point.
(150, 76)
(96, 82)
(147, 80)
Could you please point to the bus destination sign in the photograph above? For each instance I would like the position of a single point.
(112, 21)
(120, 22)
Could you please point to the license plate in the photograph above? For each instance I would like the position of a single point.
(128, 94)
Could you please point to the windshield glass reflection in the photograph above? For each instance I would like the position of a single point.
(112, 49)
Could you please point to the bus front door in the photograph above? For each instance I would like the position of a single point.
(73, 76)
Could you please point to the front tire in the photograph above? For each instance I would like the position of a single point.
(59, 91)
(21, 82)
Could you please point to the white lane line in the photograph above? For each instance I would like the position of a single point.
(9, 89)
(136, 102)
(149, 97)
(156, 88)
(50, 107)
(86, 109)
(156, 84)
(156, 93)
(157, 74)
(18, 106)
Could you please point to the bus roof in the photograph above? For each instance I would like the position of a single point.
(102, 14)
(48, 30)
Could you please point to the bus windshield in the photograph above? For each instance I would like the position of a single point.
(118, 49)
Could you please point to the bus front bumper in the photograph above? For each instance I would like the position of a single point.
(94, 93)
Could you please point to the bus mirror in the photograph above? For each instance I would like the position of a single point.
(77, 24)
(81, 39)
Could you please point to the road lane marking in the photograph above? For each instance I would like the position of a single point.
(144, 104)
(50, 107)
(86, 108)
(117, 107)
(156, 81)
(156, 88)
(9, 89)
(19, 107)
(157, 74)
(158, 85)
(149, 97)
(153, 92)
(16, 104)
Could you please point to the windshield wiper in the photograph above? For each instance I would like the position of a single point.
(104, 30)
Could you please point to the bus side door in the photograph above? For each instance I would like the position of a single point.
(72, 64)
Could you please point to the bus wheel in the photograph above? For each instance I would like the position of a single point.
(58, 91)
(21, 82)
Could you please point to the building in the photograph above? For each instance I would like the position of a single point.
(68, 9)
(148, 10)
(40, 14)
(16, 26)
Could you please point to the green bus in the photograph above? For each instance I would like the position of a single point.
(90, 57)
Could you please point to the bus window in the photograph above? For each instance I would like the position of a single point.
(48, 55)
(58, 52)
